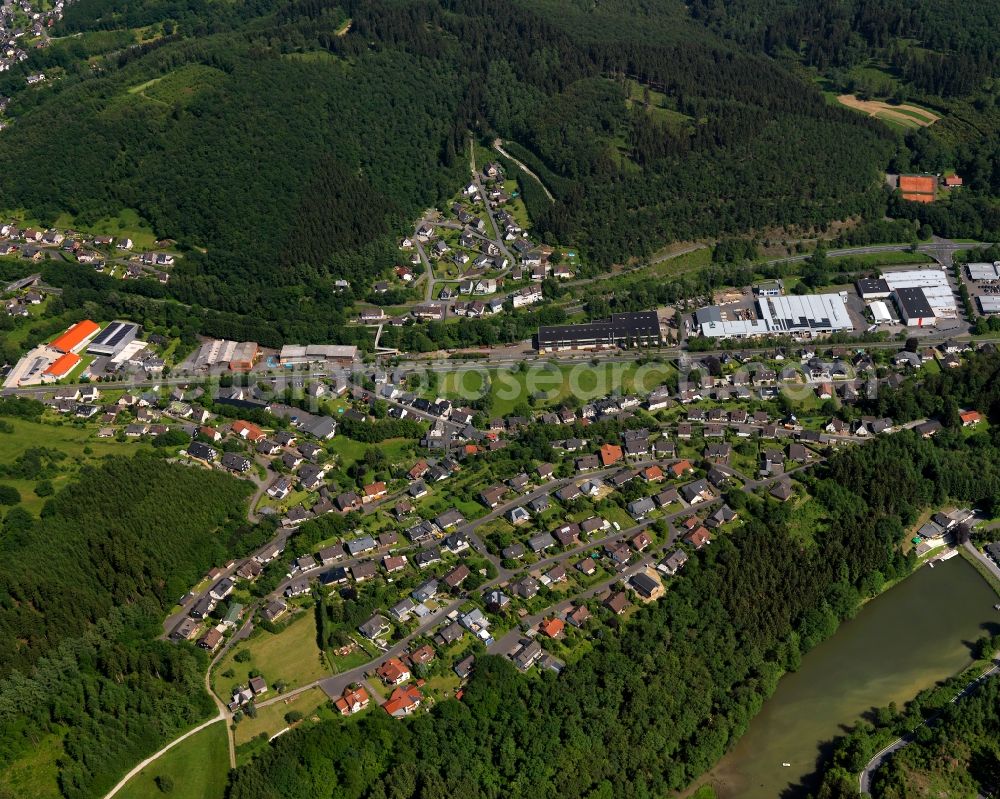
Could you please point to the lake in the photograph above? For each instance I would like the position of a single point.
(901, 642)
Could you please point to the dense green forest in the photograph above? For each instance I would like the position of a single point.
(84, 589)
(280, 154)
(663, 697)
(943, 54)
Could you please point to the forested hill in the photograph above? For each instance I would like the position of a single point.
(294, 148)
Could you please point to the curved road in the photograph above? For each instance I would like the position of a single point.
(865, 778)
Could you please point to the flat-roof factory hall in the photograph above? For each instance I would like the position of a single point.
(636, 328)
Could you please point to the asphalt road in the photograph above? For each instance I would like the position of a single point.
(865, 778)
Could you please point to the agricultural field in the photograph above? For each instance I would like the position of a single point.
(899, 116)
(290, 656)
(197, 768)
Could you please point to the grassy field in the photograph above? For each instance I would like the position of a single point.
(271, 719)
(179, 86)
(807, 518)
(80, 444)
(198, 768)
(291, 656)
(891, 258)
(551, 384)
(654, 102)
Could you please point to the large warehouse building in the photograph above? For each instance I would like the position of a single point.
(780, 316)
(76, 337)
(989, 303)
(983, 271)
(339, 354)
(113, 339)
(640, 328)
(922, 296)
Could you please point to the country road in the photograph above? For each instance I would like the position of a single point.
(865, 778)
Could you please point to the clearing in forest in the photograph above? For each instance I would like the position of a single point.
(907, 116)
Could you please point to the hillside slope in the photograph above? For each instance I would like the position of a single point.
(292, 153)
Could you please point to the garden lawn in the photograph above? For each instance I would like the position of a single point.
(290, 656)
(552, 384)
(271, 719)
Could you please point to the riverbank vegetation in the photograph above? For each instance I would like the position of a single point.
(663, 696)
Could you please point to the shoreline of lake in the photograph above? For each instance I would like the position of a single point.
(907, 638)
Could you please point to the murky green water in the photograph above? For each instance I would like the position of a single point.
(901, 642)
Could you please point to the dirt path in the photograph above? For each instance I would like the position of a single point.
(498, 146)
(121, 783)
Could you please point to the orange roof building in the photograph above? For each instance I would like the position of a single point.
(62, 366)
(918, 188)
(679, 468)
(248, 431)
(393, 672)
(353, 701)
(76, 336)
(698, 538)
(952, 181)
(552, 627)
(403, 701)
(970, 418)
(610, 453)
(652, 474)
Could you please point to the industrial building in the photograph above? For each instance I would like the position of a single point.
(922, 296)
(792, 315)
(811, 313)
(880, 313)
(639, 328)
(113, 339)
(914, 309)
(61, 367)
(989, 303)
(873, 288)
(238, 356)
(76, 337)
(214, 352)
(340, 355)
(244, 356)
(983, 271)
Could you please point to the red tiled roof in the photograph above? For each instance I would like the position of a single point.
(610, 453)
